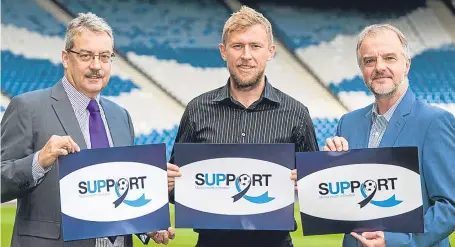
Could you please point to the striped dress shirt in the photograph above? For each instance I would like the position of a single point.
(380, 123)
(215, 117)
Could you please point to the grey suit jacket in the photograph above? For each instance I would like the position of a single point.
(27, 124)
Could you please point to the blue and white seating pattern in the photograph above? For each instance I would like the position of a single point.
(24, 26)
(330, 36)
(32, 41)
(174, 42)
(162, 37)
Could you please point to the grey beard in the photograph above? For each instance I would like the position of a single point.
(389, 94)
(386, 95)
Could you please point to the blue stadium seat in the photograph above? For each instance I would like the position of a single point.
(324, 129)
(167, 137)
(432, 77)
(185, 31)
(302, 29)
(27, 14)
(23, 70)
(41, 73)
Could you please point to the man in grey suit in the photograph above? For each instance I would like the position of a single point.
(40, 126)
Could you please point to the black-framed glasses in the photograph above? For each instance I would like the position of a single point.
(88, 56)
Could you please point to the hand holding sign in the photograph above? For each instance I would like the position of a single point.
(336, 144)
(163, 236)
(235, 186)
(370, 239)
(172, 173)
(374, 189)
(294, 177)
(114, 191)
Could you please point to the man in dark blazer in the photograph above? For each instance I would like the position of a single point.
(40, 126)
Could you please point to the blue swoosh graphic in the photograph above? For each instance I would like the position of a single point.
(141, 201)
(390, 202)
(264, 198)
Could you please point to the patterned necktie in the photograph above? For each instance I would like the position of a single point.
(98, 135)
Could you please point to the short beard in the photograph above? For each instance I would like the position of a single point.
(239, 84)
(389, 94)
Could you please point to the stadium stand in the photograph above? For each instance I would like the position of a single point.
(32, 41)
(330, 36)
(161, 37)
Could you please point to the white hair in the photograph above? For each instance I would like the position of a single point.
(84, 22)
(373, 29)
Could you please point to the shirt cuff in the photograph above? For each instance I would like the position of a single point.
(38, 171)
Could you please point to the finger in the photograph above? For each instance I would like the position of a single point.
(294, 175)
(165, 237)
(170, 186)
(172, 167)
(171, 232)
(330, 144)
(61, 152)
(74, 145)
(345, 144)
(151, 234)
(338, 145)
(171, 182)
(373, 235)
(68, 145)
(325, 148)
(159, 238)
(173, 174)
(360, 238)
(370, 235)
(380, 234)
(156, 238)
(61, 142)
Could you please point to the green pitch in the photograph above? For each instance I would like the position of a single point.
(186, 237)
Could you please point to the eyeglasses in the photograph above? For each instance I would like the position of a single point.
(88, 56)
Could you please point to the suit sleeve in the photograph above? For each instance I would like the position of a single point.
(438, 167)
(131, 127)
(16, 151)
(340, 122)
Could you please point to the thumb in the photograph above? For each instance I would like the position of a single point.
(370, 235)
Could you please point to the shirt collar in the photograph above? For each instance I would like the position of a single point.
(78, 100)
(388, 115)
(269, 93)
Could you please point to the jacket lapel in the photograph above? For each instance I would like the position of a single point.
(398, 120)
(115, 127)
(66, 116)
(363, 129)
